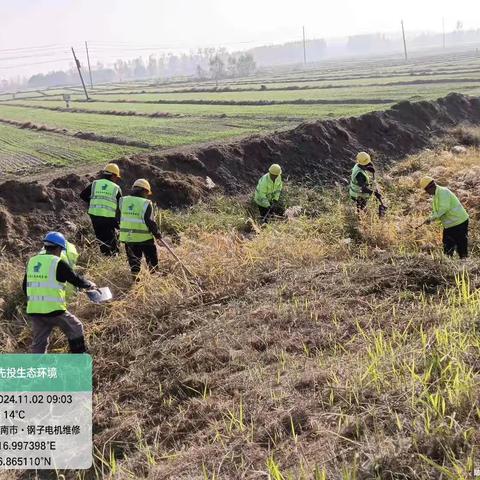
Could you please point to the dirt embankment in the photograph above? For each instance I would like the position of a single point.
(321, 151)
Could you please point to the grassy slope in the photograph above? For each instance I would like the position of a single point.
(309, 355)
(23, 148)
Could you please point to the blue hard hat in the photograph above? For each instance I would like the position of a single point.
(55, 238)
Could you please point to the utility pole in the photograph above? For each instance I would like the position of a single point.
(443, 29)
(80, 73)
(404, 42)
(89, 69)
(304, 48)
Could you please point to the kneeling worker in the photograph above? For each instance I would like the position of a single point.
(103, 196)
(267, 193)
(44, 285)
(362, 183)
(447, 209)
(138, 228)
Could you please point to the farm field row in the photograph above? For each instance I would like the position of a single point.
(304, 82)
(387, 94)
(353, 73)
(157, 132)
(255, 111)
(365, 85)
(22, 148)
(295, 85)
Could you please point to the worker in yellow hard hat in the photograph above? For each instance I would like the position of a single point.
(138, 228)
(362, 183)
(267, 193)
(103, 196)
(447, 209)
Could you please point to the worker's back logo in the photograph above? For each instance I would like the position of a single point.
(104, 186)
(130, 207)
(37, 267)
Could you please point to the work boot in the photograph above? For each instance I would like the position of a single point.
(77, 345)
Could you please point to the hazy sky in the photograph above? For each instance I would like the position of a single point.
(194, 23)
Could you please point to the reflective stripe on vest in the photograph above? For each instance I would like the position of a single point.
(133, 228)
(103, 200)
(355, 190)
(44, 293)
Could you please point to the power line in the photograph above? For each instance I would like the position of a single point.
(36, 63)
(42, 47)
(3, 59)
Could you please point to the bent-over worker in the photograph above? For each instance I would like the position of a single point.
(362, 183)
(267, 193)
(447, 209)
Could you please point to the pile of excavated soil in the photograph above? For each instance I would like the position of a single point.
(320, 151)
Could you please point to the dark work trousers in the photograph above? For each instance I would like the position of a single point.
(267, 212)
(456, 238)
(105, 231)
(361, 203)
(135, 252)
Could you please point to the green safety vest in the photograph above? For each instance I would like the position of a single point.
(355, 190)
(133, 228)
(103, 199)
(447, 208)
(44, 293)
(268, 191)
(69, 256)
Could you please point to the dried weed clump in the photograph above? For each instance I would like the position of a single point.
(328, 346)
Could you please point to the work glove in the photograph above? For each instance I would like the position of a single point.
(158, 236)
(91, 286)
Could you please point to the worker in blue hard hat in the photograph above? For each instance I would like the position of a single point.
(44, 284)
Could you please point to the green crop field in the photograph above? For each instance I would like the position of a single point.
(288, 111)
(202, 111)
(156, 132)
(22, 148)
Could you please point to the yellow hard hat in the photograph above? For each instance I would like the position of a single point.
(363, 158)
(275, 169)
(142, 183)
(426, 181)
(113, 169)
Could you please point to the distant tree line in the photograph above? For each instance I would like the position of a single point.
(206, 63)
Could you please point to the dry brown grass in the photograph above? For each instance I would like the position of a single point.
(325, 347)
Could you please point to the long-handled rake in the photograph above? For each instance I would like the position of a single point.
(175, 256)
